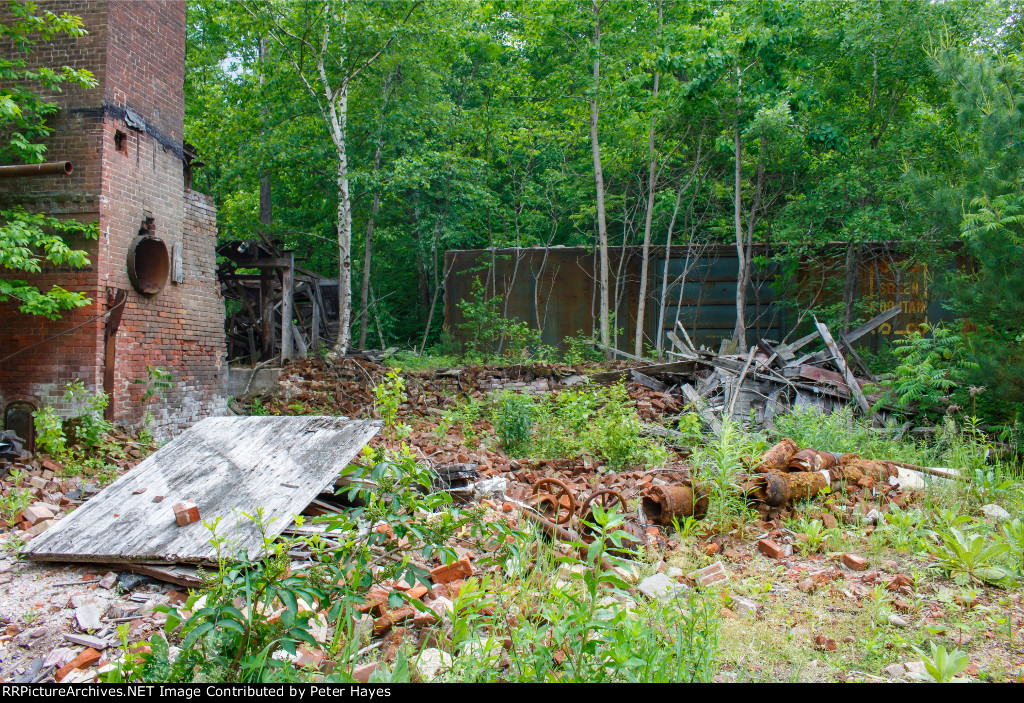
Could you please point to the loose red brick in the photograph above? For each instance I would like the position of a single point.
(452, 572)
(84, 660)
(186, 513)
(855, 562)
(362, 673)
(770, 548)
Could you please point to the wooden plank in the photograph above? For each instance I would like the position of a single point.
(689, 342)
(228, 466)
(851, 382)
(287, 304)
(739, 384)
(684, 351)
(801, 343)
(871, 324)
(845, 343)
(644, 380)
(701, 407)
(683, 367)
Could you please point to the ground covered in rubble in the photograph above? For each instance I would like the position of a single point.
(545, 550)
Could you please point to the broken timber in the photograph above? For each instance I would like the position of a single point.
(226, 465)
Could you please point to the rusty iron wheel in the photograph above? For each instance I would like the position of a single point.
(547, 498)
(607, 498)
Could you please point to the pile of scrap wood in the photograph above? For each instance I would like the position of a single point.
(766, 381)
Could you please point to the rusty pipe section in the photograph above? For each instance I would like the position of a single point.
(776, 489)
(663, 503)
(50, 168)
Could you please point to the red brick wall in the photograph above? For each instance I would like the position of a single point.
(137, 52)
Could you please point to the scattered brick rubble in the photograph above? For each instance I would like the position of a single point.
(79, 637)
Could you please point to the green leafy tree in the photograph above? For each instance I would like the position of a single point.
(30, 241)
(989, 295)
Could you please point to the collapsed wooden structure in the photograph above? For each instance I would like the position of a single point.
(278, 290)
(768, 380)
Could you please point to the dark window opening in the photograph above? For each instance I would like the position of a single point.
(121, 141)
(18, 419)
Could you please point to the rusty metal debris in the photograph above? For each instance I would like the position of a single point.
(663, 504)
(554, 500)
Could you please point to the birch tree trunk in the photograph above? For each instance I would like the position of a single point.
(602, 225)
(739, 333)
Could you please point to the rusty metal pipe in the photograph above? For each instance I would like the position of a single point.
(663, 503)
(50, 168)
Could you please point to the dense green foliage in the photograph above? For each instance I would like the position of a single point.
(846, 122)
(30, 241)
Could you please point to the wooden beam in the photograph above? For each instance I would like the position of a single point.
(287, 303)
(851, 381)
(739, 381)
(702, 409)
(871, 324)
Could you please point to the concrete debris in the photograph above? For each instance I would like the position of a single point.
(659, 586)
(995, 512)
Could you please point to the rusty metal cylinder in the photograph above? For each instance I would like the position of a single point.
(663, 503)
(777, 458)
(777, 489)
(771, 488)
(50, 168)
(805, 484)
(812, 460)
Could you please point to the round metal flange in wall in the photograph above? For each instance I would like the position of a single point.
(148, 264)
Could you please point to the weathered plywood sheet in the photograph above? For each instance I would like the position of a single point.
(226, 465)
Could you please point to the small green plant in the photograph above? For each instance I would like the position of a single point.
(49, 431)
(1013, 532)
(389, 394)
(462, 415)
(942, 666)
(257, 408)
(18, 497)
(902, 528)
(719, 464)
(87, 423)
(971, 559)
(513, 421)
(689, 424)
(157, 381)
(490, 331)
(581, 349)
(930, 367)
(811, 535)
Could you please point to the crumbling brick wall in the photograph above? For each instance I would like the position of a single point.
(124, 138)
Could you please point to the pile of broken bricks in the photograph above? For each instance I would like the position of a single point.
(43, 479)
(74, 636)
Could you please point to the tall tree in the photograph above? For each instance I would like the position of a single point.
(327, 45)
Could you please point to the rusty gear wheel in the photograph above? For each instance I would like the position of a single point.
(554, 500)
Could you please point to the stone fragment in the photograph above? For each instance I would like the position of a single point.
(658, 586)
(745, 606)
(995, 512)
(432, 662)
(896, 671)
